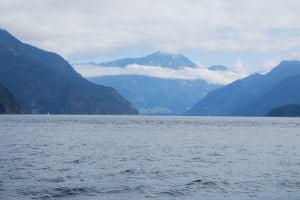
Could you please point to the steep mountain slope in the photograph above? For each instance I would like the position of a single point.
(7, 102)
(157, 96)
(158, 58)
(235, 98)
(44, 82)
(285, 92)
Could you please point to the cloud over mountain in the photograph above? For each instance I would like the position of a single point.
(185, 73)
(97, 26)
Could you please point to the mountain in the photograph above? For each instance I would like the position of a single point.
(152, 95)
(43, 82)
(290, 110)
(285, 92)
(253, 95)
(161, 59)
(7, 102)
(218, 68)
(158, 96)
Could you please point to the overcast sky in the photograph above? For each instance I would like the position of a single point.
(254, 34)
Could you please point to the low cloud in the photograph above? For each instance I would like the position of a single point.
(185, 73)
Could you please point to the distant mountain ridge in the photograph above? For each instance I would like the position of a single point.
(254, 95)
(153, 95)
(159, 58)
(158, 96)
(43, 82)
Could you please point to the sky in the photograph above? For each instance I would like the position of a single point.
(241, 34)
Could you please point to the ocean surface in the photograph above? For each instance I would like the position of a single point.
(143, 157)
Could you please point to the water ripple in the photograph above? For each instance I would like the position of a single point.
(122, 157)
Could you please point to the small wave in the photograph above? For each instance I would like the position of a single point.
(79, 160)
(1, 185)
(64, 169)
(16, 177)
(61, 192)
(172, 193)
(65, 191)
(215, 154)
(202, 182)
(128, 171)
(18, 159)
(199, 159)
(76, 161)
(123, 189)
(53, 180)
(290, 184)
(209, 183)
(195, 182)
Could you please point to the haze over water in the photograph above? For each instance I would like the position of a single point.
(140, 157)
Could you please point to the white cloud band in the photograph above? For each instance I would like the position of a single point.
(186, 73)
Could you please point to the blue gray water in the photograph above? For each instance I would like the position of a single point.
(136, 157)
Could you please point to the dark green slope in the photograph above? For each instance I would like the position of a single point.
(8, 103)
(43, 82)
(290, 110)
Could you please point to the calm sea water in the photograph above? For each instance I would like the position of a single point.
(136, 157)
